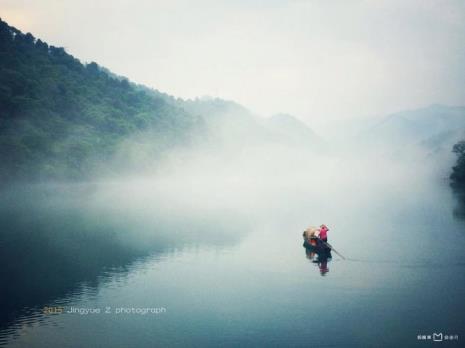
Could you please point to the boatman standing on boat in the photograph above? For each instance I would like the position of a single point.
(323, 233)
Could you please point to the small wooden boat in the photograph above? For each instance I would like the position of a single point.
(317, 244)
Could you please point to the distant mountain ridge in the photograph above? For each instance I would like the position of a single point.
(291, 128)
(60, 119)
(433, 128)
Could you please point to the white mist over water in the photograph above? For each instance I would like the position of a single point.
(263, 182)
(236, 270)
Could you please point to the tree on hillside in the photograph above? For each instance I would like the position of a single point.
(458, 171)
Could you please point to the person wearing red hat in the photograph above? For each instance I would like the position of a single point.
(323, 233)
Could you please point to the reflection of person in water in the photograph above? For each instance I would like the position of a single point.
(323, 265)
(319, 258)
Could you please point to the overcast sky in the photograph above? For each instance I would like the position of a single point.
(318, 60)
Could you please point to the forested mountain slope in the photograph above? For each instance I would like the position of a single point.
(58, 117)
(61, 119)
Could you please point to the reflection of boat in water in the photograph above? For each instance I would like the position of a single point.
(318, 253)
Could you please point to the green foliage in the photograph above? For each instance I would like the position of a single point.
(59, 117)
(458, 171)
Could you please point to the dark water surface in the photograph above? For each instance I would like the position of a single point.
(231, 275)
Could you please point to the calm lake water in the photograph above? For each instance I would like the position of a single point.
(213, 272)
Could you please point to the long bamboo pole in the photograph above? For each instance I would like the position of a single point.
(331, 247)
